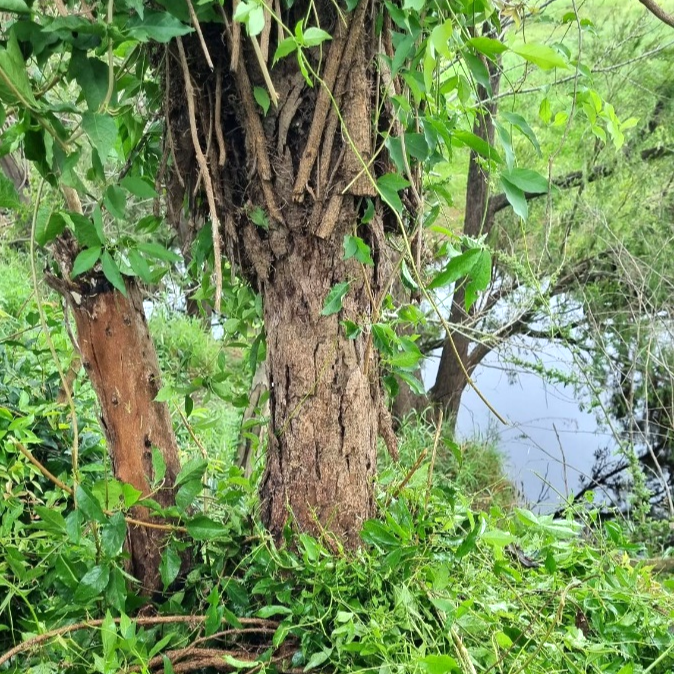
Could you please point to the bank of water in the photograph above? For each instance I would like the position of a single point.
(550, 443)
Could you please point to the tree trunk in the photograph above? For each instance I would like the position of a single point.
(451, 380)
(290, 188)
(321, 455)
(119, 357)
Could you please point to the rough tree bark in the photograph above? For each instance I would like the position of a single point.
(325, 408)
(300, 172)
(119, 357)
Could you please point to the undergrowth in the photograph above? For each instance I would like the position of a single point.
(475, 468)
(451, 576)
(436, 587)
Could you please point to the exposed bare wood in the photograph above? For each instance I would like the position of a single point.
(235, 41)
(287, 111)
(262, 62)
(217, 113)
(357, 120)
(200, 35)
(265, 35)
(259, 142)
(333, 120)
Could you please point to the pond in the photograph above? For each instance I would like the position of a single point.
(550, 443)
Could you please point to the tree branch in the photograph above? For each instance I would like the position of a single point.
(657, 11)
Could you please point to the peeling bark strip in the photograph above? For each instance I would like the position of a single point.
(119, 357)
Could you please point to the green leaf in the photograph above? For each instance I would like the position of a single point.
(84, 228)
(9, 197)
(402, 52)
(255, 22)
(93, 583)
(541, 55)
(352, 330)
(112, 273)
(140, 266)
(194, 469)
(113, 533)
(440, 38)
(115, 201)
(88, 504)
(158, 466)
(456, 268)
(470, 541)
(520, 123)
(258, 216)
(389, 185)
(333, 301)
(239, 664)
(488, 46)
(108, 634)
(545, 111)
(101, 130)
(314, 36)
(415, 384)
(480, 275)
(318, 659)
(157, 26)
(407, 360)
(97, 217)
(92, 76)
(139, 187)
(477, 144)
(516, 198)
(51, 519)
(158, 252)
(131, 495)
(14, 83)
(375, 533)
(479, 70)
(85, 260)
(169, 567)
(16, 6)
(287, 46)
(527, 180)
(49, 227)
(262, 98)
(274, 609)
(417, 146)
(187, 493)
(354, 246)
(202, 528)
(440, 664)
(116, 590)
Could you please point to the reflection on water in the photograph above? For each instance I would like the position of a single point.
(549, 442)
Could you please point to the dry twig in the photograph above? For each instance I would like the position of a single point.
(205, 171)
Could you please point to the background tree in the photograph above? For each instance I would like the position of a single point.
(572, 252)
